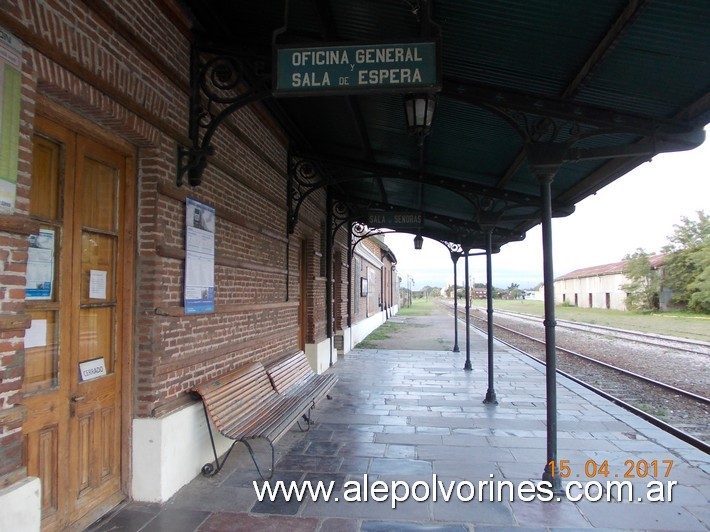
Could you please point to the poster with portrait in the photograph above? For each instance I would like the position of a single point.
(199, 257)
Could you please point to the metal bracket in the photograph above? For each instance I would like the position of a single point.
(218, 88)
(304, 178)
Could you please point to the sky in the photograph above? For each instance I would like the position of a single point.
(638, 210)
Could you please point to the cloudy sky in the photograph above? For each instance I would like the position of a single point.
(638, 210)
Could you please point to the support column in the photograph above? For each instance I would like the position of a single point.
(491, 398)
(350, 276)
(329, 271)
(467, 366)
(455, 258)
(551, 471)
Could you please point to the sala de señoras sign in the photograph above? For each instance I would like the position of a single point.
(356, 68)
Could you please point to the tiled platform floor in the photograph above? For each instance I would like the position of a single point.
(406, 415)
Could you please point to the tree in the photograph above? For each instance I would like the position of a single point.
(644, 283)
(687, 269)
(514, 291)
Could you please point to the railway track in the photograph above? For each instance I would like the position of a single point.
(679, 411)
(657, 340)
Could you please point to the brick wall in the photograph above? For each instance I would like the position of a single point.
(124, 66)
(14, 230)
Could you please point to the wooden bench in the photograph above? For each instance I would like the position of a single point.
(251, 403)
(292, 375)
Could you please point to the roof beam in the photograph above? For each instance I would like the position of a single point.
(466, 188)
(623, 22)
(467, 228)
(606, 44)
(555, 108)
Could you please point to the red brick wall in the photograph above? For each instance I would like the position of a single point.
(14, 229)
(124, 66)
(372, 304)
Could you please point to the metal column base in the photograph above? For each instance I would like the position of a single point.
(491, 398)
(555, 481)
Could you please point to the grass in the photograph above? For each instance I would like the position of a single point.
(660, 412)
(681, 324)
(420, 307)
(384, 332)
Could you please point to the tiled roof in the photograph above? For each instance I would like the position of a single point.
(607, 269)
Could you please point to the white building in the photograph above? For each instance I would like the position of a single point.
(597, 286)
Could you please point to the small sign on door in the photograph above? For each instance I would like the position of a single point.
(92, 369)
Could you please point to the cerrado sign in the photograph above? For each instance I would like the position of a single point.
(356, 68)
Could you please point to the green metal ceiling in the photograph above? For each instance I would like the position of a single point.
(592, 88)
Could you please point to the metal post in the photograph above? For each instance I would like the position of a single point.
(551, 472)
(329, 271)
(455, 258)
(491, 393)
(350, 284)
(467, 366)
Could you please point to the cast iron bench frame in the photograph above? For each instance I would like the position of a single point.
(255, 402)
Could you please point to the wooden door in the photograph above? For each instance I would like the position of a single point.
(79, 335)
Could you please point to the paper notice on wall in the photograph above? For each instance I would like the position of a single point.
(36, 335)
(39, 279)
(97, 284)
(199, 257)
(10, 98)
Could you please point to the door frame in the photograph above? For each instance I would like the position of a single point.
(49, 110)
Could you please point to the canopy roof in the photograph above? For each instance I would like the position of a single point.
(584, 90)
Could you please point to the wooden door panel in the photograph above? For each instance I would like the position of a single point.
(73, 433)
(46, 384)
(47, 450)
(98, 473)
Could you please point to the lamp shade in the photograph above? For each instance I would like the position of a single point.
(419, 111)
(418, 242)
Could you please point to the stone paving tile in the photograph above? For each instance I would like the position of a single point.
(485, 512)
(243, 522)
(336, 524)
(225, 498)
(134, 516)
(562, 514)
(645, 516)
(177, 520)
(392, 466)
(393, 526)
(395, 417)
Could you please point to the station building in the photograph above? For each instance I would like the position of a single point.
(156, 233)
(102, 105)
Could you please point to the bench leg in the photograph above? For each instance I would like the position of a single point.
(307, 418)
(253, 459)
(209, 469)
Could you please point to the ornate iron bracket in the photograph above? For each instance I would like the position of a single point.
(304, 178)
(218, 88)
(361, 231)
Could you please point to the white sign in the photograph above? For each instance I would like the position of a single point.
(36, 335)
(92, 369)
(97, 284)
(199, 257)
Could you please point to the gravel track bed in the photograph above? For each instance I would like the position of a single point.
(684, 370)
